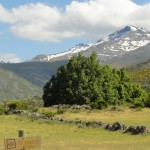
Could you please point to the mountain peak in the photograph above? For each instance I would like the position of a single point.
(130, 28)
(117, 44)
(117, 35)
(121, 33)
(133, 28)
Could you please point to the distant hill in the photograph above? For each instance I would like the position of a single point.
(14, 87)
(140, 73)
(23, 80)
(38, 73)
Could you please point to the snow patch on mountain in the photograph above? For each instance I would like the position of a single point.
(127, 39)
(74, 50)
(103, 54)
(117, 35)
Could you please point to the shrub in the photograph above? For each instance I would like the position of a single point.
(99, 104)
(2, 110)
(116, 108)
(84, 81)
(33, 109)
(147, 102)
(138, 104)
(49, 114)
(18, 105)
(60, 111)
(12, 105)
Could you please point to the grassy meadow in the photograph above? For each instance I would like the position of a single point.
(61, 136)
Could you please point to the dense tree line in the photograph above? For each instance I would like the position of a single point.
(84, 81)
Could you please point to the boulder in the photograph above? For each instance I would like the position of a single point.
(136, 130)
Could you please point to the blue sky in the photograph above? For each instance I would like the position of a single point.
(29, 28)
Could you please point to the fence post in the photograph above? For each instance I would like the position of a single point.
(22, 134)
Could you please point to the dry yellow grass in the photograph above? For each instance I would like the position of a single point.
(125, 115)
(59, 136)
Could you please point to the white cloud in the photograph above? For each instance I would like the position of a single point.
(89, 19)
(9, 58)
(6, 16)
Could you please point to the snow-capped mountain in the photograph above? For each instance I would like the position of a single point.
(117, 44)
(121, 42)
(64, 55)
(68, 54)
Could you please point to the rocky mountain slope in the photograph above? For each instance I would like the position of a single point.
(141, 54)
(115, 45)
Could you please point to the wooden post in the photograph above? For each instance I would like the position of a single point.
(22, 142)
(22, 133)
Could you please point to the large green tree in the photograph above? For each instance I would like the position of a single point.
(84, 81)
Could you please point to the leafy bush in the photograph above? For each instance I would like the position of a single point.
(138, 104)
(147, 102)
(99, 104)
(49, 114)
(84, 81)
(12, 105)
(18, 105)
(2, 110)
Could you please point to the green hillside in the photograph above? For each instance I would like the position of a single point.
(38, 73)
(23, 80)
(140, 73)
(14, 87)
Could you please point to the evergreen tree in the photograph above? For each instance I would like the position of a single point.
(84, 81)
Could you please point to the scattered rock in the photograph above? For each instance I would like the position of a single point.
(136, 130)
(111, 127)
(116, 126)
(94, 124)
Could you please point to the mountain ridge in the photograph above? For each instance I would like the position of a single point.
(118, 43)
